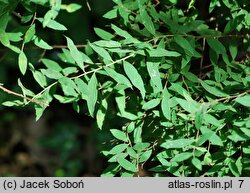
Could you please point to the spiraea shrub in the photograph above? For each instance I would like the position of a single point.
(169, 79)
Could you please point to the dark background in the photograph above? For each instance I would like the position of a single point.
(62, 142)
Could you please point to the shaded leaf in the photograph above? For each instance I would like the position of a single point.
(134, 77)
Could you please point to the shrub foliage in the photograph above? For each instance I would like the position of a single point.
(170, 84)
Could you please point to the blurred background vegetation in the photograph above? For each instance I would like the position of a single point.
(62, 142)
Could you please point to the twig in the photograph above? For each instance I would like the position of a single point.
(202, 56)
(22, 96)
(33, 20)
(83, 74)
(97, 69)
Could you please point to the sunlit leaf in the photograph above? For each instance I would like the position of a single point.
(22, 62)
(92, 94)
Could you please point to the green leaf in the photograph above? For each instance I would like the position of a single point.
(72, 7)
(131, 152)
(234, 169)
(22, 62)
(4, 39)
(92, 94)
(111, 14)
(190, 76)
(215, 139)
(151, 104)
(40, 78)
(100, 114)
(119, 135)
(160, 52)
(124, 34)
(178, 143)
(197, 163)
(233, 48)
(127, 165)
(103, 34)
(45, 97)
(51, 74)
(110, 171)
(216, 45)
(246, 131)
(146, 19)
(26, 92)
(75, 53)
(198, 119)
(52, 65)
(237, 136)
(69, 70)
(145, 156)
(41, 43)
(121, 79)
(165, 107)
(190, 106)
(212, 120)
(154, 74)
(68, 86)
(244, 100)
(134, 77)
(30, 33)
(182, 42)
(12, 103)
(56, 26)
(208, 159)
(181, 157)
(47, 18)
(118, 149)
(82, 88)
(208, 134)
(139, 147)
(15, 37)
(101, 51)
(213, 90)
(108, 43)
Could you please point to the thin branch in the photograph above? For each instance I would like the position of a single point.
(32, 22)
(97, 69)
(22, 96)
(202, 56)
(83, 74)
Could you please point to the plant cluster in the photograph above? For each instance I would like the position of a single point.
(171, 86)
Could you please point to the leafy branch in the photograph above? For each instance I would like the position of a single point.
(22, 96)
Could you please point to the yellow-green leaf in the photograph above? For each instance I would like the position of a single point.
(22, 62)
